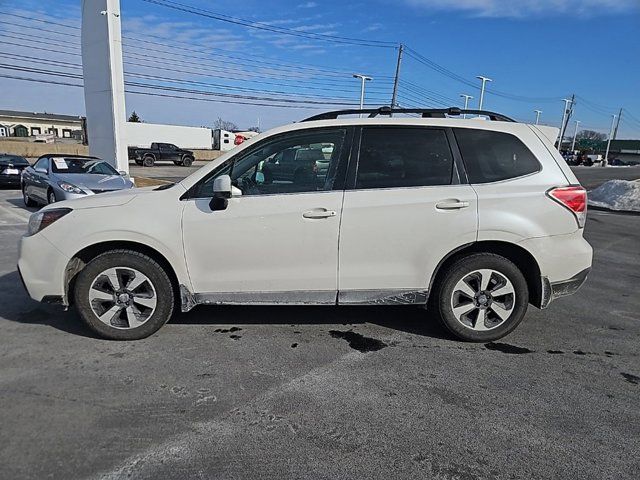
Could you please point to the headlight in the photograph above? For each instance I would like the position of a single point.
(41, 220)
(68, 187)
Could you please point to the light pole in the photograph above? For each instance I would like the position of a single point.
(484, 81)
(466, 102)
(605, 162)
(567, 102)
(538, 112)
(364, 79)
(575, 133)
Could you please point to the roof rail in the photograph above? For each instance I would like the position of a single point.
(425, 112)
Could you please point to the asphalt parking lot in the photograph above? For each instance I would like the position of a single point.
(324, 392)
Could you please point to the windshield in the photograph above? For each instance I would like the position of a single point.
(81, 165)
(13, 159)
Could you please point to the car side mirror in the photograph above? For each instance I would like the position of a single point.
(41, 170)
(123, 173)
(222, 192)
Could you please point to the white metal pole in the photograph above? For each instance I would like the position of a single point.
(564, 116)
(466, 102)
(484, 81)
(538, 112)
(363, 79)
(605, 161)
(575, 133)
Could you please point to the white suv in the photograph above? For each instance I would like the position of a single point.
(473, 218)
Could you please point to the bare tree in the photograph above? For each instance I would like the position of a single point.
(224, 125)
(591, 135)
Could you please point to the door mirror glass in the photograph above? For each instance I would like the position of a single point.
(40, 170)
(123, 173)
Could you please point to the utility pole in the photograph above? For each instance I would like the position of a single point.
(538, 112)
(615, 132)
(575, 133)
(566, 114)
(364, 79)
(605, 161)
(466, 102)
(394, 97)
(484, 81)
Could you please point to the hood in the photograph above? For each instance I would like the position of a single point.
(91, 181)
(111, 199)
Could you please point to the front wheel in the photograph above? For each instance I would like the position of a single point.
(51, 197)
(27, 199)
(481, 297)
(187, 161)
(124, 295)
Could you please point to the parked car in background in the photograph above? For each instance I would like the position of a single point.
(161, 152)
(54, 178)
(11, 167)
(475, 220)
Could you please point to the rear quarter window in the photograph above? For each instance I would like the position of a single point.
(493, 156)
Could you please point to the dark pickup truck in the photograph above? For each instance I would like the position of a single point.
(159, 152)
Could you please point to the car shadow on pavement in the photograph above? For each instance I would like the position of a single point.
(409, 319)
(16, 306)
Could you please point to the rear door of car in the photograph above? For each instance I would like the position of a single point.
(405, 208)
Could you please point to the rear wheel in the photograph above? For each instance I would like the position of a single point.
(27, 200)
(124, 295)
(481, 297)
(148, 161)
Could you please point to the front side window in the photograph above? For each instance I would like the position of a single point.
(294, 163)
(493, 156)
(393, 157)
(42, 164)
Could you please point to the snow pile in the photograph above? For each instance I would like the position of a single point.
(617, 195)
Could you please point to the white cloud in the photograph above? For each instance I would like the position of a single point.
(308, 5)
(527, 8)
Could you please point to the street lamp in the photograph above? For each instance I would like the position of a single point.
(484, 81)
(575, 133)
(364, 79)
(538, 112)
(466, 102)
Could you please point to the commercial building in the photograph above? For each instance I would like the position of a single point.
(30, 124)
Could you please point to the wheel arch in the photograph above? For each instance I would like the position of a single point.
(521, 257)
(81, 258)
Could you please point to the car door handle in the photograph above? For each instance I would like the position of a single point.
(451, 205)
(319, 213)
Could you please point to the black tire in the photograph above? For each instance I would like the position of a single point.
(187, 161)
(444, 290)
(148, 160)
(28, 202)
(51, 197)
(125, 259)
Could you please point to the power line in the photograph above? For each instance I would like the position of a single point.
(271, 28)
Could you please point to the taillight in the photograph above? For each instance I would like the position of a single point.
(573, 198)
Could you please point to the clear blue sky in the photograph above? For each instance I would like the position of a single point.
(537, 52)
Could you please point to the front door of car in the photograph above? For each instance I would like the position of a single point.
(277, 242)
(38, 182)
(405, 209)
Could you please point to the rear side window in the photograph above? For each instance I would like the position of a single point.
(493, 156)
(403, 157)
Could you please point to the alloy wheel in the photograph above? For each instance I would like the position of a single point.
(483, 299)
(123, 297)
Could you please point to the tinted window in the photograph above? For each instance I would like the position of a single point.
(492, 156)
(14, 159)
(404, 157)
(294, 163)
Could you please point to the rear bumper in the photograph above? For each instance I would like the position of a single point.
(551, 291)
(9, 179)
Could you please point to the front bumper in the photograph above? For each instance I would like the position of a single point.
(42, 268)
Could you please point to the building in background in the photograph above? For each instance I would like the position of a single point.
(31, 124)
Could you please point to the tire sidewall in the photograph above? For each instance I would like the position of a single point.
(467, 265)
(148, 161)
(51, 194)
(187, 161)
(126, 259)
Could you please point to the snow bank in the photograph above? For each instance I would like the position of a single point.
(617, 195)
